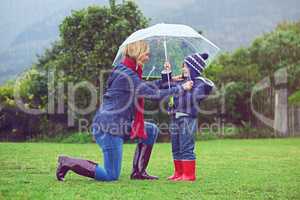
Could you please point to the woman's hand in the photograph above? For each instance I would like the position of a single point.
(167, 66)
(177, 78)
(188, 85)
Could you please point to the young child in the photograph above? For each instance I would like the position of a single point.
(183, 125)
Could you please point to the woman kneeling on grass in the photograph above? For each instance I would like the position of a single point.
(120, 115)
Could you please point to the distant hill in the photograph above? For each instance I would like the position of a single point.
(28, 27)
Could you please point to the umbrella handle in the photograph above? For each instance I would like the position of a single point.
(166, 58)
(169, 84)
(171, 98)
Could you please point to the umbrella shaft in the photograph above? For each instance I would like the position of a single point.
(166, 50)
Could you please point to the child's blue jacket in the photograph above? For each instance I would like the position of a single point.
(189, 101)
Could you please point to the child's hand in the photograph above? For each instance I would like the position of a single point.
(167, 66)
(188, 85)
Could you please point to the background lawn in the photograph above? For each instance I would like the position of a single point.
(227, 169)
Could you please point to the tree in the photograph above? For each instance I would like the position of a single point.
(277, 50)
(89, 41)
(269, 53)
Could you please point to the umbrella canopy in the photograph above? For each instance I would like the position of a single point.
(169, 42)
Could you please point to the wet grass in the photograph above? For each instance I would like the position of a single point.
(226, 169)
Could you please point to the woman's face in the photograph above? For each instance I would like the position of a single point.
(185, 70)
(144, 58)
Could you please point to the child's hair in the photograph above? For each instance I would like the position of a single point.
(136, 49)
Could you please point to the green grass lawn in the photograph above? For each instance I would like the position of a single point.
(226, 169)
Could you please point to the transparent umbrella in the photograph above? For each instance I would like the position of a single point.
(172, 43)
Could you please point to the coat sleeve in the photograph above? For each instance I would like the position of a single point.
(153, 90)
(163, 82)
(200, 92)
(203, 90)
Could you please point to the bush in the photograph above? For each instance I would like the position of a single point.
(248, 131)
(294, 99)
(224, 132)
(78, 137)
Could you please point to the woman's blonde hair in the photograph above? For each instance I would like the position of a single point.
(136, 49)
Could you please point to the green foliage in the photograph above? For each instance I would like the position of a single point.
(294, 99)
(214, 133)
(80, 138)
(6, 94)
(89, 40)
(277, 49)
(238, 72)
(32, 88)
(77, 137)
